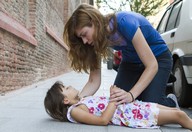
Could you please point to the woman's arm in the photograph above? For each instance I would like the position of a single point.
(82, 116)
(93, 83)
(151, 67)
(147, 57)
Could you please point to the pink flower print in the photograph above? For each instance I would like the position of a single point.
(91, 110)
(135, 103)
(102, 98)
(134, 111)
(122, 124)
(101, 106)
(137, 114)
(121, 115)
(147, 106)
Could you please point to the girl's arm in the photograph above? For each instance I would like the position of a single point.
(82, 116)
(93, 83)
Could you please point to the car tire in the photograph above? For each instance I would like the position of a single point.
(181, 88)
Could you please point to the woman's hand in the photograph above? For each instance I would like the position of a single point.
(119, 95)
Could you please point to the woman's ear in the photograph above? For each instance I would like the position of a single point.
(66, 100)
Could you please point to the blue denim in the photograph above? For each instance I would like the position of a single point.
(129, 73)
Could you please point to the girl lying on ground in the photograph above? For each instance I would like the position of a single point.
(63, 103)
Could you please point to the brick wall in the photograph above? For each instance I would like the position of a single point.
(31, 43)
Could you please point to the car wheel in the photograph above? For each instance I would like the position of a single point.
(181, 88)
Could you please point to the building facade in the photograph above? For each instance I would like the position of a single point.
(31, 41)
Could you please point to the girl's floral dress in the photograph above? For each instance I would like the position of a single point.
(137, 114)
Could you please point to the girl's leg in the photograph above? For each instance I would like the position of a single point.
(166, 108)
(172, 115)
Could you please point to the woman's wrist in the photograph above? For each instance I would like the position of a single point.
(133, 99)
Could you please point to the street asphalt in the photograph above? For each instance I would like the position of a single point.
(23, 110)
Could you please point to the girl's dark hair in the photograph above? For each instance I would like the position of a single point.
(53, 103)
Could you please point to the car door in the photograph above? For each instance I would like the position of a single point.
(162, 28)
(169, 23)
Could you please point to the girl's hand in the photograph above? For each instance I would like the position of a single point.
(119, 95)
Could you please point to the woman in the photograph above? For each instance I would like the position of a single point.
(146, 61)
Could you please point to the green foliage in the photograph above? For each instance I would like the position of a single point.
(144, 7)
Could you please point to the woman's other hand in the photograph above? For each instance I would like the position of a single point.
(119, 95)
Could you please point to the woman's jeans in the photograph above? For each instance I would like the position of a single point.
(129, 73)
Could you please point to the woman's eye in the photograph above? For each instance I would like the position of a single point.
(84, 34)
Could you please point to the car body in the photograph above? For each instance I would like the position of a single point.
(175, 28)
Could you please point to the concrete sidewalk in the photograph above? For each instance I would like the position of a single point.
(23, 110)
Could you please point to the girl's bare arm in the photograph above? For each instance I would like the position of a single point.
(82, 116)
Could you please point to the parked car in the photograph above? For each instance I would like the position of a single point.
(117, 57)
(110, 59)
(175, 28)
(114, 59)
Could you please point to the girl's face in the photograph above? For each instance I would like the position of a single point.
(86, 34)
(70, 92)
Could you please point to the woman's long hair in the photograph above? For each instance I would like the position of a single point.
(83, 56)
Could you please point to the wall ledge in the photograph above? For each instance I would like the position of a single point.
(9, 24)
(55, 37)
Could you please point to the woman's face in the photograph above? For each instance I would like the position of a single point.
(86, 34)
